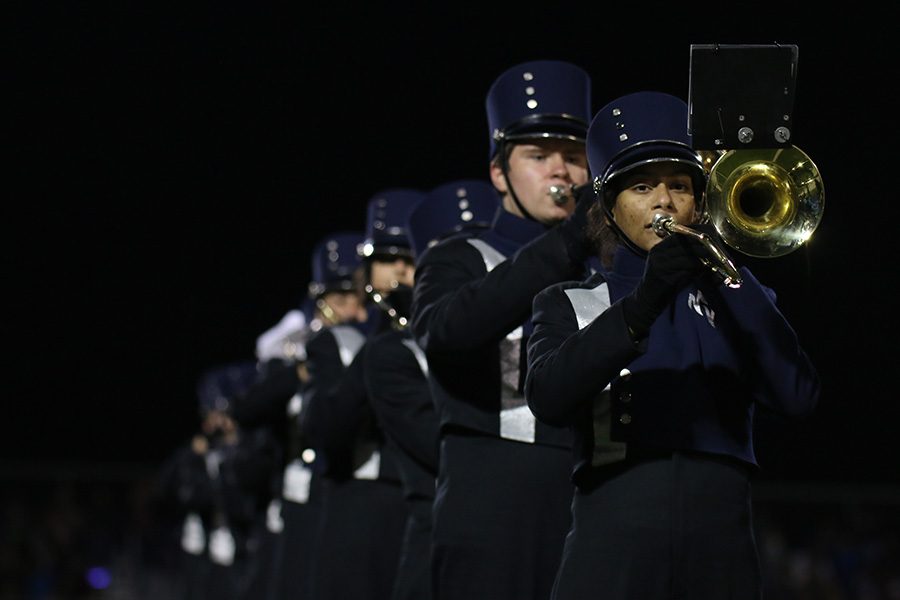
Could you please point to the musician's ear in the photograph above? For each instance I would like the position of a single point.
(498, 179)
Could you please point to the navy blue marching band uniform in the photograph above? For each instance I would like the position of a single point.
(364, 515)
(502, 506)
(397, 385)
(664, 447)
(225, 490)
(334, 264)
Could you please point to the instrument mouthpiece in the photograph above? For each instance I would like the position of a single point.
(662, 224)
(561, 194)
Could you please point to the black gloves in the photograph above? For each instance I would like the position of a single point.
(574, 229)
(671, 265)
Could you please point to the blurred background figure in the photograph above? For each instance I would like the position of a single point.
(364, 514)
(331, 297)
(396, 378)
(272, 402)
(339, 323)
(388, 256)
(221, 483)
(461, 206)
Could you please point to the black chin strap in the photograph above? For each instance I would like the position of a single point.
(504, 167)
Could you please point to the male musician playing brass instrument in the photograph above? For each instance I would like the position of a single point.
(396, 378)
(362, 527)
(501, 508)
(658, 366)
(336, 328)
(388, 257)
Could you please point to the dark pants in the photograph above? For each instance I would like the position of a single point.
(414, 573)
(501, 514)
(194, 575)
(358, 548)
(676, 528)
(294, 552)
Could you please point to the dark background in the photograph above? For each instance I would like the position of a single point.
(169, 172)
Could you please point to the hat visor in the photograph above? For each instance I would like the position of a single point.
(389, 252)
(318, 289)
(564, 127)
(653, 152)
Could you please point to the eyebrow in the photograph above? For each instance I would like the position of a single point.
(643, 175)
(554, 145)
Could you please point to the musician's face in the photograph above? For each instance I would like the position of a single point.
(535, 166)
(651, 189)
(386, 275)
(346, 306)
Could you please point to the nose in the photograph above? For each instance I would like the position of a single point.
(663, 197)
(558, 166)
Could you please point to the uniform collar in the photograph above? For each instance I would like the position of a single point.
(517, 229)
(627, 263)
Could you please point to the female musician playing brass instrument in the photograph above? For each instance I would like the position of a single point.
(658, 367)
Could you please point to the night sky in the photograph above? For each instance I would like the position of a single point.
(170, 171)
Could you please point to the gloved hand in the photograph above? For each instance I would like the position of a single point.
(671, 265)
(716, 277)
(574, 228)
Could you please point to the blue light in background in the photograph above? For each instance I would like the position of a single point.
(98, 578)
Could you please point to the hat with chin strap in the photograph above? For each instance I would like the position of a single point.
(466, 204)
(217, 386)
(334, 261)
(539, 99)
(386, 235)
(636, 130)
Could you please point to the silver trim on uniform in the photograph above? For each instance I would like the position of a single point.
(587, 304)
(349, 341)
(517, 423)
(491, 257)
(419, 354)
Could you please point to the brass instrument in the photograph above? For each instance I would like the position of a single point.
(327, 312)
(664, 225)
(763, 202)
(561, 193)
(398, 321)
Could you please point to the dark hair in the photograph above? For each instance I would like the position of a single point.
(602, 236)
(504, 151)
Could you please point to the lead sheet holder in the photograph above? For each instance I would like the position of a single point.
(741, 96)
